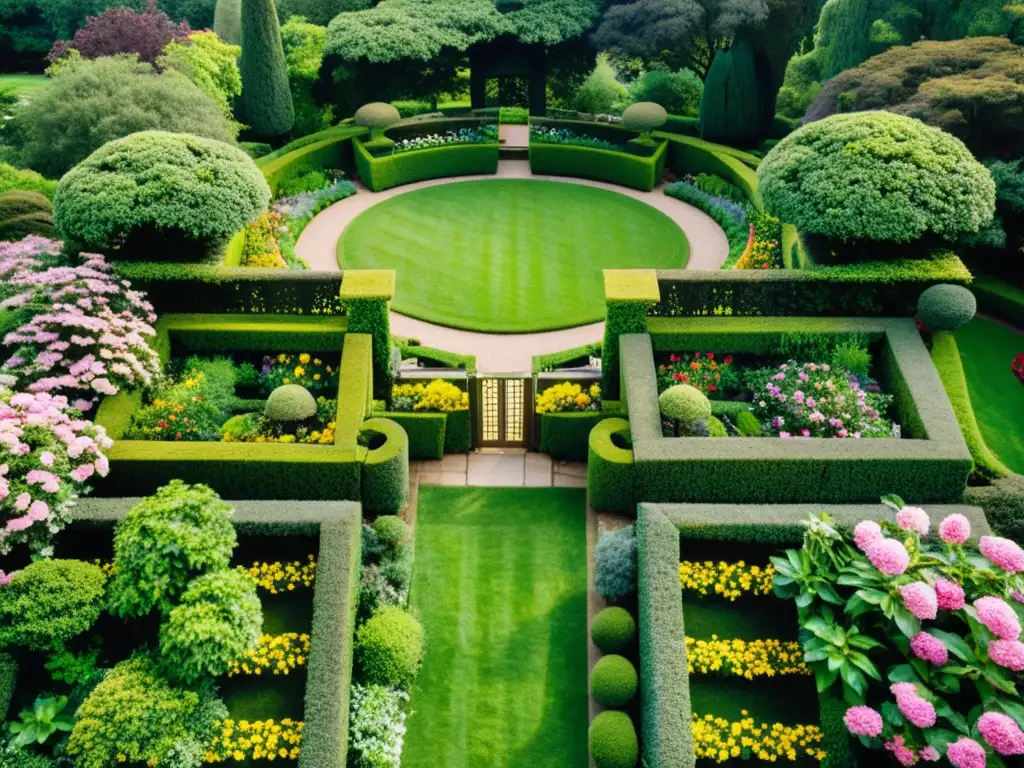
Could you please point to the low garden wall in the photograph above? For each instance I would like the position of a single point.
(380, 173)
(688, 155)
(328, 149)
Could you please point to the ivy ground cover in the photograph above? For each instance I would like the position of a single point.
(986, 348)
(519, 255)
(500, 585)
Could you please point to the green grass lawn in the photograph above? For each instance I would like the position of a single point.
(500, 584)
(997, 396)
(24, 83)
(509, 256)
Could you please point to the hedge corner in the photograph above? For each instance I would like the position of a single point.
(386, 467)
(631, 286)
(365, 284)
(610, 468)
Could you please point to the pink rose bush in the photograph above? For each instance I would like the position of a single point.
(47, 452)
(920, 636)
(90, 340)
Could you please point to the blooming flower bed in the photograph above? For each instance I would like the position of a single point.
(569, 397)
(721, 740)
(485, 134)
(711, 373)
(543, 135)
(745, 658)
(439, 396)
(729, 580)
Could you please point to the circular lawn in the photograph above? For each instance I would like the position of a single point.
(509, 256)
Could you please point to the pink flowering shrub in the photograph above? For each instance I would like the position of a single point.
(921, 637)
(47, 453)
(91, 339)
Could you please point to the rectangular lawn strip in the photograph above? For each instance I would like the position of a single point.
(500, 584)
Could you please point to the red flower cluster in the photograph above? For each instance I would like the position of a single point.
(703, 370)
(1017, 366)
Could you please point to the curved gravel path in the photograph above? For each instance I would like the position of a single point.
(505, 353)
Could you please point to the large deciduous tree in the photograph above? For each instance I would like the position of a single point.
(266, 101)
(122, 30)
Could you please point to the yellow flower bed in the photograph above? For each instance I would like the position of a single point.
(715, 738)
(730, 580)
(283, 577)
(743, 658)
(439, 396)
(255, 740)
(569, 398)
(279, 654)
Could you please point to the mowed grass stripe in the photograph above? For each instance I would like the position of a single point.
(500, 586)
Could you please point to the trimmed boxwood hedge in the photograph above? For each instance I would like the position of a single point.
(1000, 299)
(334, 151)
(613, 681)
(8, 679)
(609, 165)
(426, 432)
(610, 469)
(687, 155)
(566, 435)
(458, 435)
(380, 173)
(386, 468)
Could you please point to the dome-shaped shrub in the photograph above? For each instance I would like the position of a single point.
(613, 742)
(613, 630)
(613, 681)
(644, 116)
(876, 176)
(290, 403)
(716, 428)
(391, 530)
(685, 404)
(946, 307)
(20, 227)
(159, 195)
(18, 203)
(376, 116)
(389, 647)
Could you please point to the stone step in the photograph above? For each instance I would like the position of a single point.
(514, 153)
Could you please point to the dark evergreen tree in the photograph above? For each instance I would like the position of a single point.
(730, 110)
(266, 101)
(227, 21)
(844, 35)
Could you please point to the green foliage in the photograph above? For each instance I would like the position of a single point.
(629, 170)
(716, 428)
(678, 92)
(376, 115)
(644, 117)
(852, 357)
(613, 630)
(227, 21)
(290, 403)
(613, 742)
(169, 195)
(389, 647)
(18, 203)
(38, 724)
(1003, 502)
(730, 106)
(392, 531)
(385, 477)
(49, 603)
(167, 540)
(19, 227)
(685, 404)
(303, 45)
(843, 35)
(876, 176)
(380, 173)
(615, 564)
(601, 92)
(8, 679)
(566, 435)
(610, 467)
(137, 713)
(319, 11)
(946, 307)
(208, 62)
(25, 181)
(613, 681)
(266, 101)
(218, 618)
(426, 432)
(105, 99)
(747, 424)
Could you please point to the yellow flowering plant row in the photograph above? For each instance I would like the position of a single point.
(718, 739)
(278, 654)
(730, 580)
(255, 740)
(304, 369)
(439, 396)
(568, 397)
(275, 578)
(745, 658)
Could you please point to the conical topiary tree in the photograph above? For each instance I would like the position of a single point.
(266, 101)
(730, 109)
(227, 21)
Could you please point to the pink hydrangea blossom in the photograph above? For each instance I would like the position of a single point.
(929, 648)
(1001, 733)
(918, 711)
(950, 595)
(955, 529)
(920, 599)
(998, 617)
(900, 690)
(19, 523)
(929, 754)
(863, 721)
(903, 754)
(866, 533)
(889, 556)
(1007, 653)
(1002, 552)
(966, 753)
(913, 519)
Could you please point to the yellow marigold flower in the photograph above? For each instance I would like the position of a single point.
(304, 358)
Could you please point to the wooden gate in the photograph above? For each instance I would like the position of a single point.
(503, 411)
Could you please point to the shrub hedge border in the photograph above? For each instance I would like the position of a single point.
(334, 151)
(688, 155)
(426, 432)
(329, 667)
(380, 173)
(933, 467)
(8, 680)
(1000, 299)
(385, 478)
(609, 468)
(565, 436)
(629, 170)
(555, 360)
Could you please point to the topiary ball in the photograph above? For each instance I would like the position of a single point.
(685, 403)
(946, 307)
(391, 530)
(613, 742)
(19, 203)
(389, 647)
(290, 403)
(613, 681)
(377, 114)
(613, 630)
(644, 116)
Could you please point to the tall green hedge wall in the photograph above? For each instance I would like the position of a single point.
(380, 173)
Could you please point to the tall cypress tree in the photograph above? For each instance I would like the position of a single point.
(730, 109)
(227, 21)
(266, 101)
(843, 35)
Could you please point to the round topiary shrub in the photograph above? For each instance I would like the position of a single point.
(20, 227)
(18, 203)
(613, 630)
(644, 116)
(376, 116)
(685, 404)
(290, 403)
(391, 530)
(613, 742)
(876, 176)
(946, 307)
(389, 647)
(613, 681)
(158, 195)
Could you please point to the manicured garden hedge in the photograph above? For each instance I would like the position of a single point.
(623, 168)
(610, 468)
(426, 432)
(333, 152)
(8, 679)
(565, 435)
(577, 356)
(386, 469)
(688, 155)
(439, 358)
(1000, 299)
(458, 434)
(380, 173)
